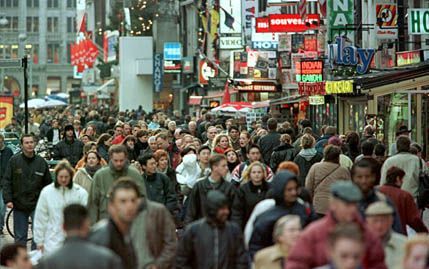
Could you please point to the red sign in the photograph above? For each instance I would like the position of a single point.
(311, 88)
(287, 23)
(257, 88)
(309, 67)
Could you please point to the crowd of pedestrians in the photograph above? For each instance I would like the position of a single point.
(134, 190)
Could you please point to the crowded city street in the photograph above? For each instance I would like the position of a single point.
(214, 134)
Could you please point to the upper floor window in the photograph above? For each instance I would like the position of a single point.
(9, 3)
(33, 24)
(53, 4)
(32, 3)
(71, 24)
(71, 3)
(52, 24)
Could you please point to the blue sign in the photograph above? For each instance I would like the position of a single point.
(265, 45)
(157, 72)
(172, 51)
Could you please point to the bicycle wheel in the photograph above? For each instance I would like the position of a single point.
(8, 228)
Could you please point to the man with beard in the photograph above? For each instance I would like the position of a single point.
(212, 242)
(104, 179)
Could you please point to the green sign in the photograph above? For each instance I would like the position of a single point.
(340, 15)
(418, 21)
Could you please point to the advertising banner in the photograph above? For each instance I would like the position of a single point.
(6, 111)
(285, 42)
(172, 51)
(287, 23)
(408, 57)
(418, 21)
(230, 42)
(309, 71)
(341, 86)
(387, 21)
(110, 42)
(249, 9)
(340, 14)
(255, 65)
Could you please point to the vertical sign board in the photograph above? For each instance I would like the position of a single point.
(340, 14)
(6, 110)
(157, 72)
(418, 21)
(387, 21)
(234, 10)
(249, 11)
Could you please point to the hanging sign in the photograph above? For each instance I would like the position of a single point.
(230, 42)
(341, 86)
(172, 51)
(257, 87)
(408, 57)
(309, 71)
(316, 100)
(205, 72)
(341, 14)
(387, 21)
(6, 110)
(157, 72)
(311, 88)
(418, 21)
(287, 23)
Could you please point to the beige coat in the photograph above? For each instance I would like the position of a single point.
(83, 179)
(270, 257)
(319, 180)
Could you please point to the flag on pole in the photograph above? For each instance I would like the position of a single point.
(226, 95)
(302, 8)
(229, 19)
(322, 7)
(213, 23)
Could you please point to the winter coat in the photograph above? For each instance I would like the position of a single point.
(83, 179)
(103, 181)
(238, 172)
(259, 209)
(321, 143)
(208, 245)
(280, 154)
(79, 253)
(406, 207)
(107, 234)
(104, 152)
(72, 151)
(160, 189)
(198, 198)
(305, 159)
(262, 236)
(188, 171)
(23, 181)
(154, 236)
(5, 154)
(310, 249)
(245, 201)
(48, 218)
(319, 180)
(271, 257)
(267, 143)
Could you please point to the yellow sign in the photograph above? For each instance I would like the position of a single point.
(316, 100)
(6, 111)
(341, 86)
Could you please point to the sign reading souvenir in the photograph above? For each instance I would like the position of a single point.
(6, 111)
(157, 72)
(311, 88)
(418, 21)
(341, 86)
(287, 23)
(309, 71)
(230, 42)
(408, 57)
(206, 72)
(316, 100)
(340, 14)
(387, 21)
(257, 87)
(350, 55)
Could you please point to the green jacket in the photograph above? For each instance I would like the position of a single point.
(102, 182)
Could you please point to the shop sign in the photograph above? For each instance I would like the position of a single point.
(310, 42)
(265, 45)
(230, 13)
(418, 21)
(311, 88)
(206, 72)
(387, 21)
(341, 86)
(188, 65)
(257, 88)
(172, 66)
(230, 42)
(309, 71)
(253, 64)
(350, 55)
(157, 72)
(340, 14)
(249, 8)
(172, 51)
(408, 57)
(316, 100)
(287, 23)
(262, 36)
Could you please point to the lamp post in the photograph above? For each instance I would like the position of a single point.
(3, 22)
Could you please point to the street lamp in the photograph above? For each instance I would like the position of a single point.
(3, 23)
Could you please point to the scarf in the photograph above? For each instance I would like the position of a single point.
(91, 170)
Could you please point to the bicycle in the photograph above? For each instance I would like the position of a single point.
(8, 228)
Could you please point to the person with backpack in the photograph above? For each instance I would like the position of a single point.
(306, 157)
(284, 152)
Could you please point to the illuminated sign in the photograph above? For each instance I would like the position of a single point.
(341, 86)
(418, 21)
(316, 100)
(265, 45)
(309, 71)
(287, 23)
(172, 66)
(257, 88)
(350, 55)
(157, 72)
(408, 57)
(311, 88)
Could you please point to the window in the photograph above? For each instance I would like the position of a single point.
(33, 24)
(9, 3)
(53, 51)
(35, 53)
(32, 3)
(71, 3)
(12, 23)
(52, 3)
(71, 24)
(69, 53)
(52, 24)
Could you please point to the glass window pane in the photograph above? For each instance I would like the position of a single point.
(36, 24)
(29, 24)
(36, 3)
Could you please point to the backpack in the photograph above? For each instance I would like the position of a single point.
(423, 188)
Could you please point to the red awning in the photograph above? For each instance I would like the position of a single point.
(195, 100)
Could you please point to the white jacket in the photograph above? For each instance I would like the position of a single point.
(48, 218)
(188, 171)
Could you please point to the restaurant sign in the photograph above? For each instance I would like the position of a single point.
(309, 71)
(257, 87)
(341, 86)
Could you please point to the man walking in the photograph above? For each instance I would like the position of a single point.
(69, 148)
(77, 252)
(5, 155)
(268, 142)
(26, 175)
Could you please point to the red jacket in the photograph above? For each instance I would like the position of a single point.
(118, 140)
(406, 207)
(310, 250)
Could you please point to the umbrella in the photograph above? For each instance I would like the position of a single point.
(233, 107)
(33, 103)
(52, 103)
(64, 97)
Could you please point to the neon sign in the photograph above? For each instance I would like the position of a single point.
(309, 71)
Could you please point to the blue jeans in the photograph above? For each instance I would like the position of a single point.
(2, 211)
(20, 226)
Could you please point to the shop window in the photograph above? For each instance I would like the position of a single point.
(53, 51)
(356, 119)
(33, 24)
(52, 24)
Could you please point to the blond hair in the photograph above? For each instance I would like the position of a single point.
(217, 139)
(418, 239)
(248, 170)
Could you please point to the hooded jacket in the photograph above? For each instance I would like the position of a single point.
(71, 150)
(209, 244)
(280, 154)
(262, 235)
(305, 159)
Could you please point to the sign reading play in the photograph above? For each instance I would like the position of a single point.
(418, 21)
(350, 55)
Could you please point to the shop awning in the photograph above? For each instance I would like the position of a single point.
(195, 100)
(105, 88)
(288, 100)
